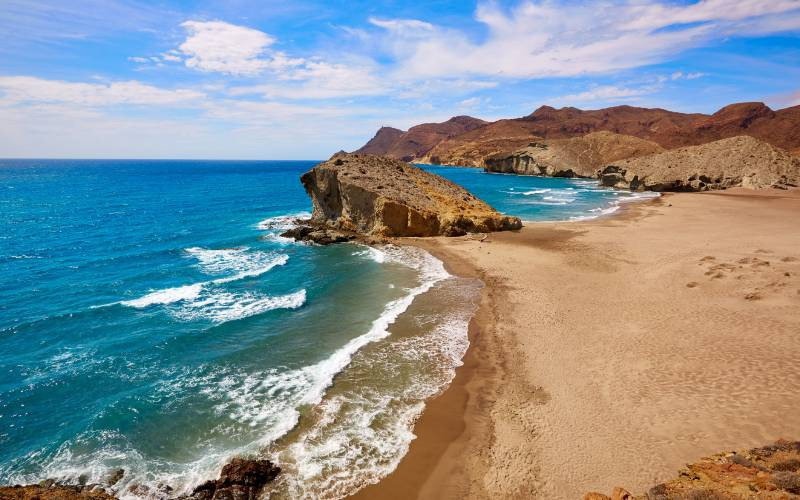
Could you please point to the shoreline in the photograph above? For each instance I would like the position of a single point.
(485, 431)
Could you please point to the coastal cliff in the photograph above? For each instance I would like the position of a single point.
(574, 157)
(736, 162)
(369, 196)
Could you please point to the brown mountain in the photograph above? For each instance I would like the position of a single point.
(382, 142)
(669, 129)
(419, 139)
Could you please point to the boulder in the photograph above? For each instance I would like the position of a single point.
(368, 196)
(241, 479)
(736, 162)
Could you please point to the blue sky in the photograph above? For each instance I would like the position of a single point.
(300, 80)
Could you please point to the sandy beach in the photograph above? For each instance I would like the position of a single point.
(612, 352)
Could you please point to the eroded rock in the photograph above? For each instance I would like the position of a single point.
(769, 472)
(736, 162)
(575, 157)
(364, 196)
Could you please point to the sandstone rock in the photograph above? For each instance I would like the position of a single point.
(575, 157)
(738, 161)
(374, 196)
(52, 492)
(241, 479)
(756, 473)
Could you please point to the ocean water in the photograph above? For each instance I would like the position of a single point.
(152, 319)
(541, 198)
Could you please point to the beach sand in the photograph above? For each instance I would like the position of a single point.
(612, 352)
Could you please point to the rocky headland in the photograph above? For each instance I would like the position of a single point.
(369, 197)
(574, 157)
(741, 161)
(770, 472)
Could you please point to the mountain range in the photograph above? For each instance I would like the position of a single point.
(468, 141)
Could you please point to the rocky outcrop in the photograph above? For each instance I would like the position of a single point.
(49, 490)
(736, 162)
(669, 129)
(771, 472)
(575, 157)
(419, 139)
(372, 196)
(241, 479)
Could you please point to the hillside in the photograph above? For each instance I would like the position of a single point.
(573, 157)
(737, 161)
(468, 141)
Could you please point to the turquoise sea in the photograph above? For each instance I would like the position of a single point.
(152, 319)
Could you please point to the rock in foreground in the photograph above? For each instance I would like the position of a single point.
(771, 472)
(241, 479)
(736, 162)
(575, 157)
(369, 196)
(48, 490)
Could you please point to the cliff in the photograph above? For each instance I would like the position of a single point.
(739, 161)
(575, 157)
(770, 472)
(669, 129)
(372, 196)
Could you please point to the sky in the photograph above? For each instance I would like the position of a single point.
(268, 79)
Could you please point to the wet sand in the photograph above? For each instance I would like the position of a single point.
(612, 352)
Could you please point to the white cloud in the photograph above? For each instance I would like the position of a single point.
(607, 93)
(226, 48)
(564, 39)
(470, 103)
(28, 89)
(405, 26)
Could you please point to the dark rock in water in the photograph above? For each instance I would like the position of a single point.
(114, 477)
(319, 235)
(241, 479)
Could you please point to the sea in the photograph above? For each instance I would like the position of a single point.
(152, 319)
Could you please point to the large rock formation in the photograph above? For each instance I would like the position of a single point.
(419, 139)
(771, 472)
(739, 161)
(575, 157)
(478, 140)
(380, 197)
